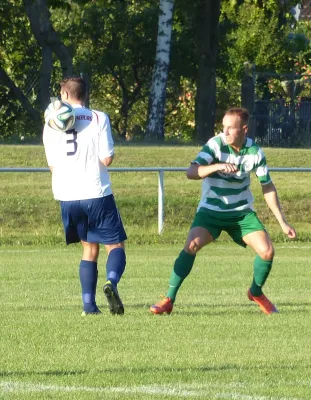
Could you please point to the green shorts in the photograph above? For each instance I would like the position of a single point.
(236, 226)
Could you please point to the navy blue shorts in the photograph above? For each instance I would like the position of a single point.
(93, 221)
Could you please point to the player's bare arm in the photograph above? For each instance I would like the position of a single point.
(196, 171)
(107, 160)
(272, 200)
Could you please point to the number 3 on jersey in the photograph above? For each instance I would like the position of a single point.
(72, 142)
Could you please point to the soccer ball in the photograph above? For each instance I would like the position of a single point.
(60, 116)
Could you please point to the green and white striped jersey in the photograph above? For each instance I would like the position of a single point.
(231, 192)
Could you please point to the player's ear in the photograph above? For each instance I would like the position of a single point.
(64, 95)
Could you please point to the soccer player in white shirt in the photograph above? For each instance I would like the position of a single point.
(78, 159)
(225, 164)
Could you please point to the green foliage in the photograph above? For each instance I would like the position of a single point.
(256, 32)
(115, 47)
(180, 112)
(18, 60)
(14, 119)
(113, 43)
(8, 111)
(300, 85)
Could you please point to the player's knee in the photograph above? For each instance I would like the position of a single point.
(267, 253)
(90, 251)
(192, 247)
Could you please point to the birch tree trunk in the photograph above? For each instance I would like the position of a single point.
(156, 117)
(207, 22)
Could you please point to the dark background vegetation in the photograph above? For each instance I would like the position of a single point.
(113, 45)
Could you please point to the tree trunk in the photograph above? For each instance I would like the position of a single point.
(87, 80)
(248, 96)
(156, 117)
(45, 78)
(39, 17)
(207, 21)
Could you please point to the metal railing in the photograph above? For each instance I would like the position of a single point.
(160, 171)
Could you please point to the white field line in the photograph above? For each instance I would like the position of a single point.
(185, 391)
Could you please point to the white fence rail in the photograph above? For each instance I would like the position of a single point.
(160, 171)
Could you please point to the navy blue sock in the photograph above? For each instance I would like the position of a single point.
(115, 265)
(88, 278)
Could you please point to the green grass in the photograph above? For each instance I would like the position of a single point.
(215, 345)
(29, 215)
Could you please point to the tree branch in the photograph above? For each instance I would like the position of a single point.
(39, 17)
(19, 95)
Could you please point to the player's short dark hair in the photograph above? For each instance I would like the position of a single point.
(75, 86)
(241, 112)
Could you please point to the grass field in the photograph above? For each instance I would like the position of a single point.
(215, 345)
(29, 215)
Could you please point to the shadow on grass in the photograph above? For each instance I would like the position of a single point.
(4, 374)
(179, 309)
(226, 309)
(203, 368)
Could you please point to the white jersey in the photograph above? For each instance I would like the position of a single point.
(75, 156)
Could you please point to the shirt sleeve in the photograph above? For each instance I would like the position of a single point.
(50, 141)
(207, 154)
(106, 144)
(262, 171)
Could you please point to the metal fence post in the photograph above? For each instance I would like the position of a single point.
(160, 180)
(160, 201)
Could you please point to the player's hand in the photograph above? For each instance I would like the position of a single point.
(289, 231)
(227, 168)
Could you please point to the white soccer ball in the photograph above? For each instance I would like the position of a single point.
(60, 116)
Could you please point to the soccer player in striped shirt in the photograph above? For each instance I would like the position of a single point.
(225, 164)
(78, 159)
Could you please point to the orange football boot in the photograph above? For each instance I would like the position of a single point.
(264, 303)
(164, 306)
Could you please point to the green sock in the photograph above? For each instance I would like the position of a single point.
(181, 270)
(261, 272)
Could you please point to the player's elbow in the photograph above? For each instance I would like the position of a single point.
(188, 174)
(192, 172)
(268, 188)
(107, 161)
